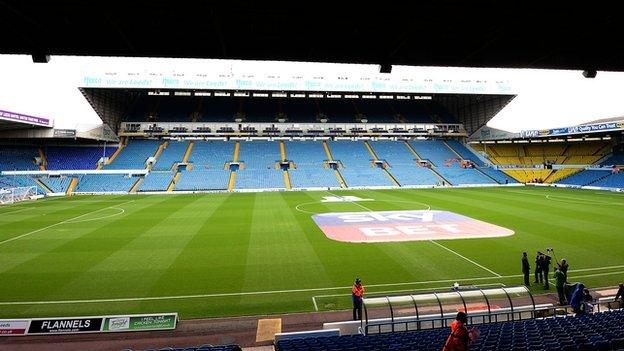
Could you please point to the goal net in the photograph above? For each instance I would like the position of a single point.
(11, 195)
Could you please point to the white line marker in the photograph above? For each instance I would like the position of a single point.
(465, 258)
(182, 297)
(121, 211)
(59, 223)
(408, 290)
(314, 302)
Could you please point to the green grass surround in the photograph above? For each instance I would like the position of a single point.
(256, 253)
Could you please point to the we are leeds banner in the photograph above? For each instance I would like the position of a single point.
(77, 325)
(588, 128)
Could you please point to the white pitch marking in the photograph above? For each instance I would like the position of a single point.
(20, 210)
(182, 297)
(465, 258)
(407, 290)
(103, 217)
(59, 223)
(314, 302)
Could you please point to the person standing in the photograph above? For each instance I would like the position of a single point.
(546, 270)
(538, 268)
(526, 269)
(559, 284)
(357, 294)
(563, 267)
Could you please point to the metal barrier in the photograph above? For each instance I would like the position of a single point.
(436, 309)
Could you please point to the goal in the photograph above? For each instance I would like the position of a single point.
(11, 195)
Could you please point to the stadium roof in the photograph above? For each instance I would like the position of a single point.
(425, 33)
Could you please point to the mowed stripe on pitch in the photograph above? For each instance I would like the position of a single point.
(156, 246)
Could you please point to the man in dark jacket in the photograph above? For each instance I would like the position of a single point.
(545, 270)
(538, 268)
(526, 268)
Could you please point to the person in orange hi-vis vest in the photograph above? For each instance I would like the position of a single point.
(461, 337)
(357, 294)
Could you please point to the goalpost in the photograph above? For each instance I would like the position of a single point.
(12, 195)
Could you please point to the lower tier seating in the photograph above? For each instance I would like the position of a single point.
(105, 183)
(156, 181)
(260, 179)
(313, 178)
(598, 331)
(199, 179)
(365, 176)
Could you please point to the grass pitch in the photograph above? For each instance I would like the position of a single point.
(259, 253)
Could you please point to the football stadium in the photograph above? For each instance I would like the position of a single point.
(283, 203)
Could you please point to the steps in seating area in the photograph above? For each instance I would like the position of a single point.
(72, 186)
(232, 181)
(309, 169)
(44, 161)
(358, 168)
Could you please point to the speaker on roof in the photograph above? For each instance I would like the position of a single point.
(385, 67)
(589, 73)
(40, 57)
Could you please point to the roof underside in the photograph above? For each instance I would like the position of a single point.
(427, 33)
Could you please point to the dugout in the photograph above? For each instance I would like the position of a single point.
(384, 314)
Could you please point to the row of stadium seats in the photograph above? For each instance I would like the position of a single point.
(260, 162)
(540, 153)
(599, 331)
(104, 183)
(18, 158)
(134, 155)
(226, 109)
(172, 153)
(73, 158)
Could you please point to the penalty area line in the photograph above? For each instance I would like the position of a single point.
(69, 220)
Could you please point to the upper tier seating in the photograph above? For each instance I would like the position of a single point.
(539, 153)
(173, 153)
(18, 158)
(134, 155)
(105, 183)
(211, 154)
(75, 157)
(598, 331)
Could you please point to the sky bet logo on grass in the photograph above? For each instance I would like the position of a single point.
(385, 226)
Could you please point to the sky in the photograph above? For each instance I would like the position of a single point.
(546, 98)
